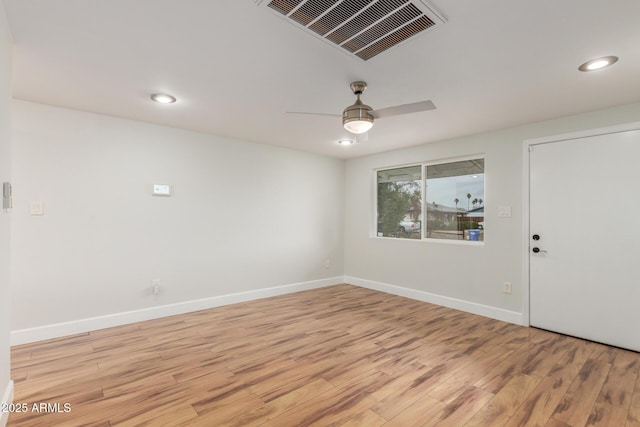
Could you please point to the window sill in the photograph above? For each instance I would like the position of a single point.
(432, 240)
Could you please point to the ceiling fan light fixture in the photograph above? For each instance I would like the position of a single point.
(357, 118)
(358, 126)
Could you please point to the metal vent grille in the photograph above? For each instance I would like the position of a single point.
(364, 28)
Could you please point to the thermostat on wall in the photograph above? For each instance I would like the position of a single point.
(161, 190)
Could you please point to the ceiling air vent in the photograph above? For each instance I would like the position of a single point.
(363, 28)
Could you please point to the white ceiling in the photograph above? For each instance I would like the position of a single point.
(237, 68)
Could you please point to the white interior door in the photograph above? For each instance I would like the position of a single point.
(585, 208)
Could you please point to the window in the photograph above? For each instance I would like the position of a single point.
(455, 200)
(400, 202)
(454, 205)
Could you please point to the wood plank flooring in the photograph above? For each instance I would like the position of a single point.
(336, 356)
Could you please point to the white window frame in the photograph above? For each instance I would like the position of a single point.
(373, 226)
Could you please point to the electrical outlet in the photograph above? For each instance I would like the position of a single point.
(506, 287)
(327, 263)
(155, 286)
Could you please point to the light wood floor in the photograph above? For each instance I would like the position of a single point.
(337, 356)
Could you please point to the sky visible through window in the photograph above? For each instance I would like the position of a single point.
(444, 191)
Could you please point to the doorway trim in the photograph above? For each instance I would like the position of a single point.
(527, 144)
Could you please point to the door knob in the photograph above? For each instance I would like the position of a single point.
(536, 250)
(536, 237)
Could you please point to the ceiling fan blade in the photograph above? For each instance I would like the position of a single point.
(313, 114)
(403, 109)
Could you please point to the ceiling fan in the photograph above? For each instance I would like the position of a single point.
(358, 118)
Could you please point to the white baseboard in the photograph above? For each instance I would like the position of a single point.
(469, 307)
(6, 398)
(24, 336)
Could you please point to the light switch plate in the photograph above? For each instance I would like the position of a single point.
(504, 211)
(161, 190)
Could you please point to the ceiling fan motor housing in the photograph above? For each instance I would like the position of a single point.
(357, 118)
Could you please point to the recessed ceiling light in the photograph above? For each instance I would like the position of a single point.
(163, 98)
(345, 142)
(598, 63)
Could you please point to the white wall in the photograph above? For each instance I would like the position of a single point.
(243, 216)
(469, 277)
(5, 176)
